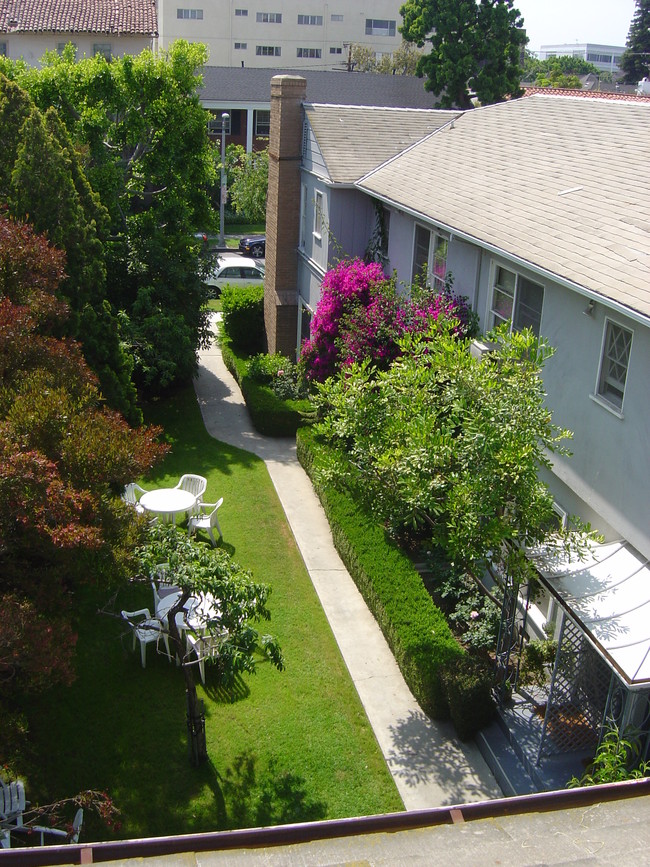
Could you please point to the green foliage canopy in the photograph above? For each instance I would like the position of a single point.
(248, 181)
(555, 66)
(475, 48)
(142, 132)
(448, 445)
(403, 61)
(635, 61)
(64, 456)
(42, 181)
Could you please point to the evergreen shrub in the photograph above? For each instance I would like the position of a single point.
(243, 317)
(467, 687)
(415, 629)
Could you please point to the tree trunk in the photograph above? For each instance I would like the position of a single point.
(196, 743)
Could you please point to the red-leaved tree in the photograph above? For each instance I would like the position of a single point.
(64, 459)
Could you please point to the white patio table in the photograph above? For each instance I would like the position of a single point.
(167, 502)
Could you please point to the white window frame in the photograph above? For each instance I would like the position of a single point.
(268, 50)
(336, 18)
(190, 14)
(437, 252)
(336, 49)
(498, 313)
(241, 13)
(312, 20)
(607, 386)
(303, 215)
(317, 230)
(268, 17)
(311, 53)
(263, 124)
(380, 27)
(240, 46)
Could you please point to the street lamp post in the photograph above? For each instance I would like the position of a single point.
(225, 117)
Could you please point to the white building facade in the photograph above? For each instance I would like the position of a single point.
(284, 33)
(604, 57)
(28, 29)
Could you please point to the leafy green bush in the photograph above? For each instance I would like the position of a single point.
(474, 615)
(536, 657)
(414, 627)
(243, 317)
(467, 686)
(280, 374)
(617, 758)
(270, 414)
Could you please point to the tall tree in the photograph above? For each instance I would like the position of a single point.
(449, 446)
(475, 48)
(141, 127)
(63, 458)
(248, 181)
(635, 61)
(42, 181)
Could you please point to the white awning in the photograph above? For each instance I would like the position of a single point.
(608, 595)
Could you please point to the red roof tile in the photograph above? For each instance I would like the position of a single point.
(137, 17)
(586, 94)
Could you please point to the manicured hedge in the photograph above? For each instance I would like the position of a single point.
(467, 685)
(416, 630)
(270, 415)
(243, 317)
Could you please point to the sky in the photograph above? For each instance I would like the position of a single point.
(549, 22)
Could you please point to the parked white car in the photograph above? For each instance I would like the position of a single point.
(237, 271)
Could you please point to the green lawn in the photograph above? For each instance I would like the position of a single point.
(284, 746)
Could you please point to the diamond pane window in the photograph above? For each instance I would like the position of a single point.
(614, 364)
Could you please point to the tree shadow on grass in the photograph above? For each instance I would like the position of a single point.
(256, 797)
(230, 693)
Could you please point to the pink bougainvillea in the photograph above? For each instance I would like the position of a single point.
(361, 315)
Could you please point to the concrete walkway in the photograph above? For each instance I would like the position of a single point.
(431, 767)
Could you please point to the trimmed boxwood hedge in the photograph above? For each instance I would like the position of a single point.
(415, 629)
(243, 317)
(270, 415)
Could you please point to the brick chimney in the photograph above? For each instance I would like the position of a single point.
(283, 214)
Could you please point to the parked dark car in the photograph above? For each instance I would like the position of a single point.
(253, 245)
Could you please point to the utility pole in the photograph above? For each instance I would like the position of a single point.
(225, 117)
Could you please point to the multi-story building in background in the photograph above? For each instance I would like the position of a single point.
(604, 57)
(290, 33)
(297, 34)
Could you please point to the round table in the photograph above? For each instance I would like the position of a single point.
(167, 502)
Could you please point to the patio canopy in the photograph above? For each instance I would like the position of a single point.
(607, 593)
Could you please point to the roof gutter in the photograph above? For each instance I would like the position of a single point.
(282, 835)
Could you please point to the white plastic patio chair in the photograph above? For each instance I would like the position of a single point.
(146, 630)
(161, 584)
(203, 647)
(195, 485)
(206, 520)
(131, 496)
(12, 802)
(65, 836)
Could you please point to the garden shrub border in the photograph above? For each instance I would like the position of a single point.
(270, 415)
(414, 627)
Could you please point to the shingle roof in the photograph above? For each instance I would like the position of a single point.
(354, 140)
(245, 84)
(135, 17)
(561, 183)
